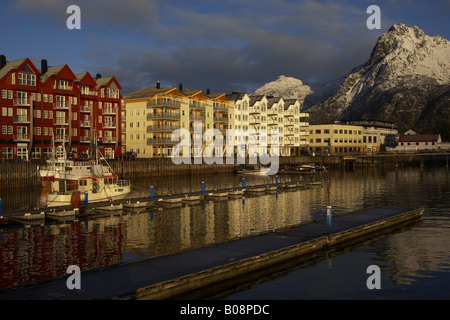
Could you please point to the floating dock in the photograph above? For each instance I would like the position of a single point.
(208, 271)
(166, 201)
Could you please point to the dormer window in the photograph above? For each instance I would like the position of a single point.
(26, 77)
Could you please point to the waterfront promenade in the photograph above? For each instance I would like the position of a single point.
(223, 266)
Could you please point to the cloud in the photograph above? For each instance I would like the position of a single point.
(116, 14)
(226, 46)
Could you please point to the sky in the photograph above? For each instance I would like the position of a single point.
(223, 45)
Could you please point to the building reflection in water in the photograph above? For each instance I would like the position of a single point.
(35, 253)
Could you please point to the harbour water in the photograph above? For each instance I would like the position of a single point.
(415, 263)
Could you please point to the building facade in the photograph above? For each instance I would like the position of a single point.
(333, 139)
(51, 105)
(154, 113)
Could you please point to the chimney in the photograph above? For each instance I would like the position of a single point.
(2, 61)
(158, 85)
(44, 66)
(180, 87)
(98, 76)
(208, 91)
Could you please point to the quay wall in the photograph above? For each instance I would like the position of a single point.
(22, 173)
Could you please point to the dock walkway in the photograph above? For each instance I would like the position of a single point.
(172, 276)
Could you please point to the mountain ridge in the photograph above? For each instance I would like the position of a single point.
(406, 80)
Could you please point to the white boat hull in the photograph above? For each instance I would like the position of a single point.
(67, 199)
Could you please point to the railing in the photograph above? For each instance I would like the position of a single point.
(84, 108)
(61, 121)
(220, 108)
(197, 106)
(60, 87)
(22, 102)
(197, 117)
(22, 136)
(109, 125)
(221, 119)
(85, 124)
(61, 137)
(21, 118)
(109, 139)
(164, 115)
(62, 105)
(85, 139)
(109, 110)
(152, 141)
(163, 128)
(163, 103)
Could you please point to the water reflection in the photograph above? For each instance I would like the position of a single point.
(35, 253)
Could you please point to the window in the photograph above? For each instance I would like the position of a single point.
(4, 129)
(4, 94)
(10, 94)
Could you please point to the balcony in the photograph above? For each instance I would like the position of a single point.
(61, 138)
(61, 121)
(112, 111)
(163, 116)
(85, 139)
(303, 124)
(163, 128)
(196, 106)
(85, 124)
(256, 110)
(24, 119)
(22, 102)
(62, 87)
(220, 119)
(62, 105)
(255, 119)
(158, 141)
(85, 109)
(197, 117)
(108, 139)
(109, 125)
(220, 107)
(163, 103)
(22, 137)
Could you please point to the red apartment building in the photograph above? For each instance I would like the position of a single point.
(49, 105)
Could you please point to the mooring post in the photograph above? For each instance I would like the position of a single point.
(151, 192)
(203, 187)
(328, 216)
(276, 180)
(86, 200)
(0, 206)
(243, 183)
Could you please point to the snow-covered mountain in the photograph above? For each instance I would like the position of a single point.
(406, 80)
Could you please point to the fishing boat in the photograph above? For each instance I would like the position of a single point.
(72, 182)
(90, 189)
(59, 167)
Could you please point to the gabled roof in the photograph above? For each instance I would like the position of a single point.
(288, 103)
(419, 138)
(254, 99)
(51, 71)
(12, 65)
(149, 92)
(235, 96)
(101, 82)
(272, 101)
(85, 79)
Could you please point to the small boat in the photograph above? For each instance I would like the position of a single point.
(90, 189)
(59, 167)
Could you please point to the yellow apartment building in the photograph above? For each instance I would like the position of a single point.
(342, 139)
